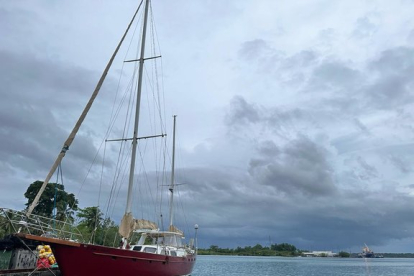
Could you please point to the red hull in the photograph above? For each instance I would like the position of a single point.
(88, 260)
(78, 259)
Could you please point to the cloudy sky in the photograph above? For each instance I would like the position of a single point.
(295, 117)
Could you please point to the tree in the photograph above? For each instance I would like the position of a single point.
(344, 254)
(258, 247)
(90, 221)
(53, 196)
(284, 247)
(90, 217)
(108, 234)
(6, 225)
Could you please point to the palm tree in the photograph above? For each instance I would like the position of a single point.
(6, 224)
(91, 219)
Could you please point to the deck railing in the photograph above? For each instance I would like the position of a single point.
(17, 222)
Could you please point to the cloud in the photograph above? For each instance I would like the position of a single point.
(325, 166)
(301, 168)
(334, 76)
(365, 27)
(400, 163)
(392, 86)
(254, 49)
(241, 113)
(36, 115)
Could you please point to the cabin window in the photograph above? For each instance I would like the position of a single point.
(150, 249)
(173, 253)
(137, 248)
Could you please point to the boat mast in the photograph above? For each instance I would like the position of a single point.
(72, 135)
(135, 137)
(172, 177)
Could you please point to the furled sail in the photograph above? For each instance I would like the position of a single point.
(129, 224)
(172, 228)
(144, 224)
(125, 228)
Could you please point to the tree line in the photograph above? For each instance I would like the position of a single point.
(56, 203)
(283, 249)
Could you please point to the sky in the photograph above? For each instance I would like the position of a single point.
(295, 118)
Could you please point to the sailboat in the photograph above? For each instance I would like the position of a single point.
(157, 253)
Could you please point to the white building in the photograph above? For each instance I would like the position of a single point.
(320, 254)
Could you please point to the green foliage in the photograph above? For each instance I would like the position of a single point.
(284, 249)
(3, 225)
(397, 255)
(91, 217)
(90, 222)
(96, 229)
(6, 227)
(66, 203)
(92, 225)
(344, 254)
(108, 234)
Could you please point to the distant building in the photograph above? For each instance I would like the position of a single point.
(320, 254)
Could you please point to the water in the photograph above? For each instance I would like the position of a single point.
(275, 266)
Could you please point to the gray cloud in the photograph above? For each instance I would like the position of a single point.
(400, 163)
(364, 27)
(241, 112)
(301, 168)
(393, 83)
(335, 77)
(36, 117)
(254, 49)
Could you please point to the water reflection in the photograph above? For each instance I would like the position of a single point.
(367, 266)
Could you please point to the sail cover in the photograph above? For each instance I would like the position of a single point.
(129, 224)
(144, 224)
(172, 228)
(125, 227)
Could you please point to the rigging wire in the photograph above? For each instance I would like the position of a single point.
(100, 190)
(102, 79)
(162, 100)
(111, 124)
(129, 87)
(128, 100)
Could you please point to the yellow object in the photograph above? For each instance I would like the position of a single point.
(46, 252)
(52, 259)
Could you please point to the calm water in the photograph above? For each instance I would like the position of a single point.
(274, 266)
